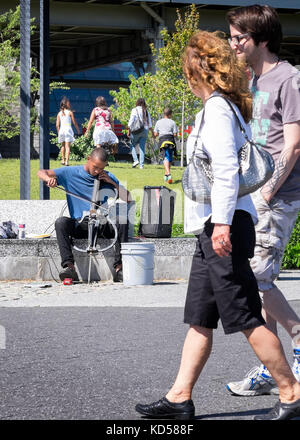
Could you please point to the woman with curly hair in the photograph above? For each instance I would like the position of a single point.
(221, 284)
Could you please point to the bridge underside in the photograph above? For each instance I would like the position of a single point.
(130, 47)
(93, 33)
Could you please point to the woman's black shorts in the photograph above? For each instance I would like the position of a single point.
(224, 287)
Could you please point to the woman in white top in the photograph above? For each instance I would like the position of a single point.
(64, 120)
(139, 117)
(222, 284)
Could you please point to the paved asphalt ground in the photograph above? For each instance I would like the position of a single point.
(92, 352)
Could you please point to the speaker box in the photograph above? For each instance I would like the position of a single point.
(157, 212)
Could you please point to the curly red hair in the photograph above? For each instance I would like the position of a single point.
(208, 58)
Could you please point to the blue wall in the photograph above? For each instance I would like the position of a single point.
(83, 98)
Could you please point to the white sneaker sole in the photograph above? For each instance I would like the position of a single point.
(271, 391)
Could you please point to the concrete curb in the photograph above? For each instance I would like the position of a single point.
(40, 260)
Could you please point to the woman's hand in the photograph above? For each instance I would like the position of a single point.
(221, 240)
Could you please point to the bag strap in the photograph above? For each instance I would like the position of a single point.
(197, 136)
(243, 130)
(137, 112)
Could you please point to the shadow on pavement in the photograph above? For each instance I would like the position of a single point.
(253, 412)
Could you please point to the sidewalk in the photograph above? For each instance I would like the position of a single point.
(166, 293)
(91, 352)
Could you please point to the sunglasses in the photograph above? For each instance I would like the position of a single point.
(237, 38)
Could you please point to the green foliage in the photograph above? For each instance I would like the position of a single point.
(167, 87)
(10, 76)
(171, 80)
(10, 30)
(10, 72)
(80, 148)
(178, 231)
(125, 99)
(291, 257)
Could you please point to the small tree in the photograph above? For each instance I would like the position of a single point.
(169, 63)
(167, 87)
(10, 76)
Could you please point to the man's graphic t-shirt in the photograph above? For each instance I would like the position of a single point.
(276, 101)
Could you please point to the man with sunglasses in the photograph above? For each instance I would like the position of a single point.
(255, 35)
(239, 39)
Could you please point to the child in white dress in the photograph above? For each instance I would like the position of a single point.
(64, 120)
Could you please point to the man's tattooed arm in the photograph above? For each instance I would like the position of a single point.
(286, 160)
(282, 170)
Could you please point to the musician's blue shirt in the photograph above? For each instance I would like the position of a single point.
(78, 181)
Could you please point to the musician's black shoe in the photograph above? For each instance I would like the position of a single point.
(68, 272)
(118, 276)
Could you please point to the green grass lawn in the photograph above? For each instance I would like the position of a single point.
(133, 178)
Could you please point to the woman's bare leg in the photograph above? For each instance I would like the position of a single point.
(196, 351)
(67, 147)
(62, 150)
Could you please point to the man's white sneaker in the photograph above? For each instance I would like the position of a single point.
(135, 163)
(257, 382)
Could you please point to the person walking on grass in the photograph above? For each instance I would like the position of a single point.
(139, 125)
(166, 130)
(255, 36)
(222, 284)
(103, 134)
(64, 120)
